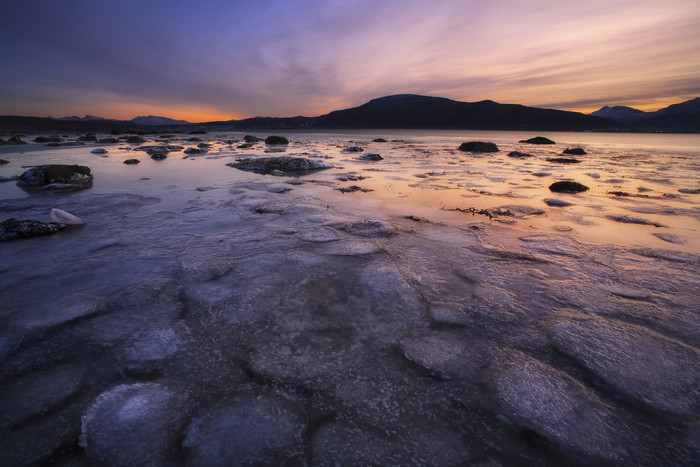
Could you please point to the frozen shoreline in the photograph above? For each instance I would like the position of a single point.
(204, 314)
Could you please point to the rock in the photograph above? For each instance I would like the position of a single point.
(556, 202)
(194, 151)
(478, 146)
(44, 139)
(567, 187)
(76, 177)
(379, 140)
(371, 157)
(519, 155)
(99, 151)
(557, 407)
(4, 161)
(145, 352)
(369, 228)
(251, 139)
(251, 431)
(132, 161)
(16, 140)
(655, 372)
(2, 142)
(136, 424)
(689, 191)
(204, 145)
(563, 160)
(135, 140)
(575, 151)
(62, 217)
(279, 189)
(276, 140)
(353, 149)
(13, 229)
(446, 355)
(89, 137)
(537, 140)
(284, 163)
(108, 141)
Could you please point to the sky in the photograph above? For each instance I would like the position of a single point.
(210, 60)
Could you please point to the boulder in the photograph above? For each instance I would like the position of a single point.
(371, 157)
(575, 151)
(16, 140)
(251, 139)
(132, 161)
(567, 187)
(194, 151)
(4, 161)
(379, 140)
(135, 140)
(276, 140)
(519, 155)
(353, 149)
(99, 151)
(537, 140)
(65, 177)
(88, 137)
(284, 163)
(204, 145)
(13, 229)
(556, 202)
(478, 146)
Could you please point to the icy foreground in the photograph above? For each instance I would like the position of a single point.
(246, 325)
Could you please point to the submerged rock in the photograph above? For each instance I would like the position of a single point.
(371, 157)
(16, 140)
(519, 155)
(563, 160)
(49, 139)
(251, 139)
(99, 151)
(567, 187)
(556, 202)
(194, 151)
(478, 146)
(135, 140)
(4, 161)
(13, 229)
(353, 149)
(276, 140)
(132, 161)
(656, 372)
(379, 140)
(284, 163)
(537, 140)
(575, 151)
(75, 177)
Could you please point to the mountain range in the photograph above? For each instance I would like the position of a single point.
(401, 111)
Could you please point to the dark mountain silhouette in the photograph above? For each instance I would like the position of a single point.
(681, 118)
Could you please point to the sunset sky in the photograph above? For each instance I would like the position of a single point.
(219, 59)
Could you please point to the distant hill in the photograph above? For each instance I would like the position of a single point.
(681, 118)
(158, 121)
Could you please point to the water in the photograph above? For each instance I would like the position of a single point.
(202, 304)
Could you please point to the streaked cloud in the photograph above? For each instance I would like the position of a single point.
(222, 59)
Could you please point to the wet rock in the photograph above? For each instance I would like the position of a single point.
(88, 138)
(135, 140)
(556, 202)
(251, 431)
(108, 141)
(204, 145)
(62, 217)
(194, 151)
(567, 187)
(478, 146)
(4, 161)
(563, 160)
(379, 140)
(446, 355)
(245, 146)
(251, 139)
(132, 161)
(13, 229)
(557, 407)
(284, 163)
(16, 140)
(279, 189)
(136, 424)
(575, 151)
(519, 155)
(99, 151)
(371, 157)
(60, 177)
(320, 235)
(655, 372)
(353, 149)
(369, 228)
(689, 191)
(537, 140)
(276, 140)
(45, 139)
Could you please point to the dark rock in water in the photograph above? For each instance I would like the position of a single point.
(538, 140)
(2, 142)
(284, 163)
(654, 371)
(557, 407)
(478, 146)
(245, 146)
(248, 432)
(276, 140)
(194, 140)
(251, 139)
(353, 149)
(16, 140)
(685, 191)
(61, 177)
(204, 145)
(563, 160)
(44, 139)
(567, 187)
(575, 151)
(13, 229)
(132, 161)
(556, 202)
(133, 424)
(135, 140)
(88, 137)
(519, 155)
(371, 157)
(158, 156)
(194, 151)
(108, 141)
(379, 140)
(4, 161)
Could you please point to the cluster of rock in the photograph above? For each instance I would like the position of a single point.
(273, 165)
(56, 177)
